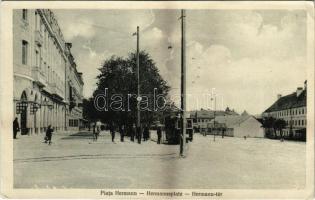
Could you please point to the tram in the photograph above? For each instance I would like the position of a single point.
(173, 131)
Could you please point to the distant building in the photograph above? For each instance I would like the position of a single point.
(236, 126)
(202, 117)
(44, 73)
(292, 109)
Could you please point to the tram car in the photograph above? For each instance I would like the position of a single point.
(173, 131)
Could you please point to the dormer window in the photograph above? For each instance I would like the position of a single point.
(24, 14)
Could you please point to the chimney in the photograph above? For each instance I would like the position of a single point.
(299, 90)
(69, 45)
(305, 84)
(279, 96)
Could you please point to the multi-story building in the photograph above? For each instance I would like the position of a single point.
(74, 90)
(41, 69)
(202, 117)
(292, 109)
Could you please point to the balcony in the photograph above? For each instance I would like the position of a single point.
(38, 38)
(56, 90)
(39, 77)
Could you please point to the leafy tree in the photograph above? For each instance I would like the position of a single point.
(88, 109)
(119, 75)
(268, 124)
(280, 124)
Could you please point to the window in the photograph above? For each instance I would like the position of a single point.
(24, 14)
(37, 58)
(24, 52)
(36, 21)
(40, 25)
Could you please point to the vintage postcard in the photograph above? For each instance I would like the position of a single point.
(157, 100)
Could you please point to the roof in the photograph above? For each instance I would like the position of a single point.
(230, 120)
(244, 113)
(288, 101)
(210, 113)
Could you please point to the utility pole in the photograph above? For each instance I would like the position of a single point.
(138, 87)
(183, 86)
(215, 103)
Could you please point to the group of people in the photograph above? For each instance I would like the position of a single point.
(48, 136)
(134, 132)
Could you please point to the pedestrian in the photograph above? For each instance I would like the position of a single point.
(146, 133)
(159, 134)
(16, 127)
(49, 132)
(122, 133)
(139, 134)
(112, 132)
(94, 131)
(132, 133)
(98, 129)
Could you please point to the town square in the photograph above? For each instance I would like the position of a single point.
(160, 99)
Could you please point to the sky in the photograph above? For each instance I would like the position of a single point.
(244, 57)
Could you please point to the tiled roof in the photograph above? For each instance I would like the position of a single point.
(289, 101)
(210, 113)
(231, 120)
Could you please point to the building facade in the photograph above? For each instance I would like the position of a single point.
(202, 117)
(292, 109)
(41, 72)
(236, 126)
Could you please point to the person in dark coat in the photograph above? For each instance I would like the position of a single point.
(139, 134)
(49, 132)
(132, 133)
(16, 127)
(146, 133)
(112, 132)
(159, 134)
(122, 133)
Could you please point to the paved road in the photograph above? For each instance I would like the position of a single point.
(75, 161)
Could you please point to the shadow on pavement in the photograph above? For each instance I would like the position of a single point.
(80, 135)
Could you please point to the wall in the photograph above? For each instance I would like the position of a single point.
(249, 128)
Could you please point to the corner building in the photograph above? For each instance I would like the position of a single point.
(42, 73)
(292, 109)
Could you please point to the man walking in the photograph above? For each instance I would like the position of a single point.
(98, 129)
(16, 127)
(112, 132)
(159, 134)
(49, 132)
(122, 133)
(139, 134)
(133, 132)
(146, 133)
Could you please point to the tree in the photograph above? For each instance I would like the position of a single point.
(280, 124)
(89, 109)
(119, 76)
(268, 125)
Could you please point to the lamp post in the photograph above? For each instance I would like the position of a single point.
(214, 98)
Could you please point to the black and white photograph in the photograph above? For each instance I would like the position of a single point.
(172, 102)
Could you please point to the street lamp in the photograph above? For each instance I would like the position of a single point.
(214, 98)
